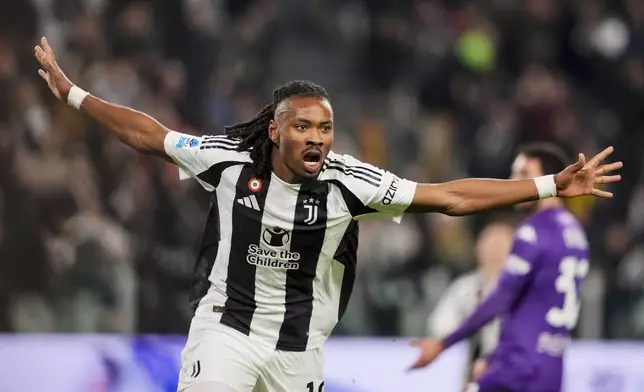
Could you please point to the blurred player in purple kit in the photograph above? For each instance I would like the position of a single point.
(537, 294)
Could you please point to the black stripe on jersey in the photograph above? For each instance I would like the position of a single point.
(362, 168)
(218, 146)
(207, 255)
(213, 175)
(356, 207)
(220, 140)
(355, 170)
(309, 227)
(350, 172)
(210, 239)
(247, 226)
(347, 255)
(371, 173)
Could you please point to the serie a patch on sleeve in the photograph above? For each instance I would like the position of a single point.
(187, 142)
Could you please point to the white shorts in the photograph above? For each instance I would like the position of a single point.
(217, 353)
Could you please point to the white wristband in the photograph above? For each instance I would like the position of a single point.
(546, 186)
(76, 96)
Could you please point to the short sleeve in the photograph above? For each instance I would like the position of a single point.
(368, 190)
(196, 155)
(520, 264)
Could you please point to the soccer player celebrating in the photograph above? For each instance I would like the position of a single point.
(278, 255)
(537, 293)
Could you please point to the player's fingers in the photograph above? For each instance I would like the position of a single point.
(38, 52)
(609, 168)
(41, 56)
(417, 365)
(44, 60)
(46, 46)
(602, 194)
(608, 179)
(43, 75)
(581, 161)
(601, 156)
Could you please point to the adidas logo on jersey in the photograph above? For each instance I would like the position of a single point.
(250, 202)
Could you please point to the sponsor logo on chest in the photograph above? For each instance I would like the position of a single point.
(272, 258)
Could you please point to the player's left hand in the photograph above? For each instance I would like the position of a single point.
(581, 178)
(429, 350)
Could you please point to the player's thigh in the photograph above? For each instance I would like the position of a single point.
(218, 354)
(293, 372)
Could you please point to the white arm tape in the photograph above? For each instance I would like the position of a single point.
(546, 186)
(76, 96)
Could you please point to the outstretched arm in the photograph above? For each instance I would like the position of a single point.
(497, 303)
(494, 305)
(516, 274)
(469, 196)
(136, 129)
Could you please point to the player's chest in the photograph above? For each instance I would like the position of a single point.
(273, 203)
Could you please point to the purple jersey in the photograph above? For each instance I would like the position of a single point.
(537, 298)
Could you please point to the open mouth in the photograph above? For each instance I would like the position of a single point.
(312, 161)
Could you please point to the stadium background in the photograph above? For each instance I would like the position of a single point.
(96, 238)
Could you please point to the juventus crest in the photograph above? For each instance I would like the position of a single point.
(311, 205)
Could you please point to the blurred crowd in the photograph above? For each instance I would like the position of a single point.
(97, 238)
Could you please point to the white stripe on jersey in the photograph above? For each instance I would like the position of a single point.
(253, 201)
(225, 200)
(329, 273)
(270, 283)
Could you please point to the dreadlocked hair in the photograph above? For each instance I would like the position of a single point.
(253, 134)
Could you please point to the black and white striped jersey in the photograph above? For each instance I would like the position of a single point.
(278, 259)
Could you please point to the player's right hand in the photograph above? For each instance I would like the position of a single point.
(56, 79)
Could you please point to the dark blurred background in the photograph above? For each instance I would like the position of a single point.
(97, 238)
